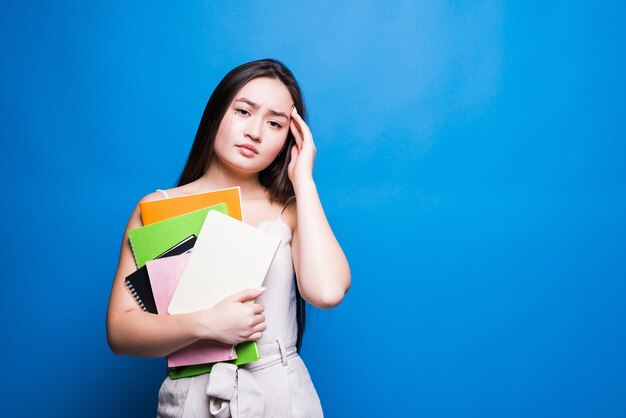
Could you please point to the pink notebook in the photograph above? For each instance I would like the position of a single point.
(164, 275)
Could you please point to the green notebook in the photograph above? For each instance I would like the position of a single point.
(247, 352)
(149, 241)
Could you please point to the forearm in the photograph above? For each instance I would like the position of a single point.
(141, 334)
(323, 270)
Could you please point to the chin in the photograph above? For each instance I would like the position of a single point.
(247, 166)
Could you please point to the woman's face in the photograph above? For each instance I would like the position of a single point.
(255, 126)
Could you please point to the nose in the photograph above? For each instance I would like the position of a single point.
(253, 130)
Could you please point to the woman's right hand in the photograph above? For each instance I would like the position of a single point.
(232, 321)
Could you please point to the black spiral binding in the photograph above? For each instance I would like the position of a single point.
(134, 292)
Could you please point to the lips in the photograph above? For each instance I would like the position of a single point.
(250, 147)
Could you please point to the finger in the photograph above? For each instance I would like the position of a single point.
(297, 135)
(258, 319)
(257, 308)
(294, 154)
(247, 294)
(260, 327)
(256, 336)
(292, 163)
(297, 121)
(305, 141)
(301, 124)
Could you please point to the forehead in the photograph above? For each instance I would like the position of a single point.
(267, 92)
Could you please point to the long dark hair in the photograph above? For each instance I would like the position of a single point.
(274, 178)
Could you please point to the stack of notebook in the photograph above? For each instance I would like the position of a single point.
(189, 257)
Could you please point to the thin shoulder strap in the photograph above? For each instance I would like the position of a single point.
(164, 193)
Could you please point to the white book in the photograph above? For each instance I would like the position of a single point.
(229, 256)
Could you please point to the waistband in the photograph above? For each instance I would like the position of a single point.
(233, 391)
(272, 353)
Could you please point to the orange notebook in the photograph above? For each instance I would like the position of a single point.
(158, 210)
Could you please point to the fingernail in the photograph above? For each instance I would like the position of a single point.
(261, 289)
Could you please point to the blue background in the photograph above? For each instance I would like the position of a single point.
(471, 159)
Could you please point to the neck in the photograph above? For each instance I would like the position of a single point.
(219, 176)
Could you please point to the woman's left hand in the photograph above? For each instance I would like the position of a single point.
(303, 153)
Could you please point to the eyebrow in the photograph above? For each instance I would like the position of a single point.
(255, 106)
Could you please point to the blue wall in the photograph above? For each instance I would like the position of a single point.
(470, 158)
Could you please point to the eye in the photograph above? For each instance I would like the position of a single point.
(275, 124)
(242, 112)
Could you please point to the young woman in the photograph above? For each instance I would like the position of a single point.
(253, 135)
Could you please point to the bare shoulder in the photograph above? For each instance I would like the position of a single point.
(173, 192)
(135, 220)
(152, 196)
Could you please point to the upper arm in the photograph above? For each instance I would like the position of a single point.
(324, 276)
(121, 300)
(290, 215)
